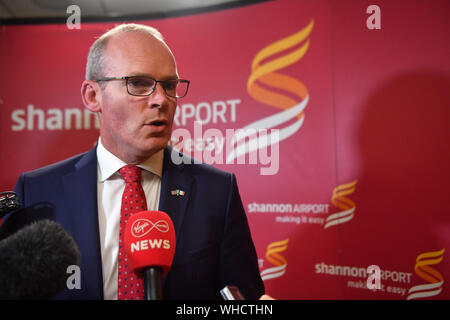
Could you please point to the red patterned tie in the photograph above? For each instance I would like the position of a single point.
(130, 287)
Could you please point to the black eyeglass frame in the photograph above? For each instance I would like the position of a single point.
(126, 78)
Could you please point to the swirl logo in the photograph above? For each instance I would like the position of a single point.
(423, 269)
(274, 257)
(339, 199)
(277, 90)
(141, 227)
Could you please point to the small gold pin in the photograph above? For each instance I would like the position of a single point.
(177, 192)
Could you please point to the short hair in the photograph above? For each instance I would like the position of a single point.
(95, 66)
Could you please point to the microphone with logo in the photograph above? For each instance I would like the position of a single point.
(150, 245)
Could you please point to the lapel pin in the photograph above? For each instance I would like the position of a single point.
(177, 192)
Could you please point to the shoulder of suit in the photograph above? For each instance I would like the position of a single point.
(57, 168)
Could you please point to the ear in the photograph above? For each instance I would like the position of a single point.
(91, 95)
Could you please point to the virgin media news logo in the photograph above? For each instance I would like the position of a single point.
(141, 227)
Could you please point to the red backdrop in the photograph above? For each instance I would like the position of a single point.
(362, 178)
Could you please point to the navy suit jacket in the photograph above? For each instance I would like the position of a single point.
(213, 242)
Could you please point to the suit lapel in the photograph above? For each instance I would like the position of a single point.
(80, 189)
(176, 187)
(174, 182)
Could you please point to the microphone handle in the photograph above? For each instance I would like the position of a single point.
(152, 283)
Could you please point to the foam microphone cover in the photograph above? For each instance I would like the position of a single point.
(150, 241)
(34, 261)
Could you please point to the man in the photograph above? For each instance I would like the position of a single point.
(133, 85)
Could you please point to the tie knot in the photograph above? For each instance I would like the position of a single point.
(131, 173)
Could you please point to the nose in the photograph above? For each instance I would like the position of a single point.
(158, 98)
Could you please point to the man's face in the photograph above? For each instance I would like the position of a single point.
(134, 128)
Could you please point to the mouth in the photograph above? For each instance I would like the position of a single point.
(157, 123)
(157, 126)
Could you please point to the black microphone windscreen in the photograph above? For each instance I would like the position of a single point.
(34, 261)
(18, 219)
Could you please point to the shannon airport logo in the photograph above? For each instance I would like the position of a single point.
(322, 214)
(340, 200)
(426, 269)
(267, 85)
(272, 88)
(274, 256)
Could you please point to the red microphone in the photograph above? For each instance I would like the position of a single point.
(150, 245)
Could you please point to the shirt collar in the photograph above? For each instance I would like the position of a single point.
(110, 164)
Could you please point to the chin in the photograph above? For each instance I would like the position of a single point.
(155, 145)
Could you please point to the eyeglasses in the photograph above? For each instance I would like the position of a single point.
(144, 86)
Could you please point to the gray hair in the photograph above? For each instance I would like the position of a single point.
(95, 67)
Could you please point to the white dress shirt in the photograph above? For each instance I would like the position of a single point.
(110, 186)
